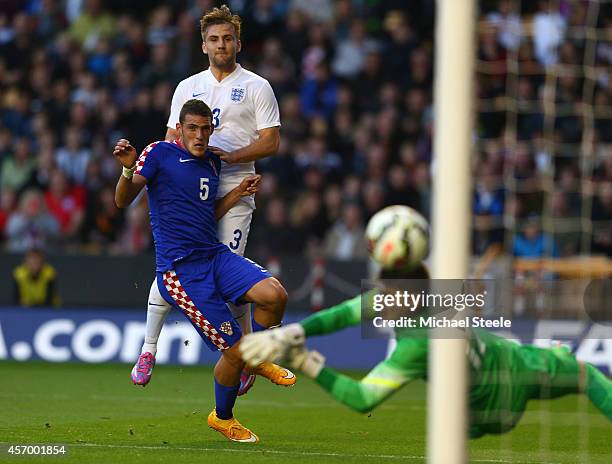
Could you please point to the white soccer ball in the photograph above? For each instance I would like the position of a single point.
(398, 238)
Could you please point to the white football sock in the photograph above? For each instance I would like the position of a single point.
(157, 310)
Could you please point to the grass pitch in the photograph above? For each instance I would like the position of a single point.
(101, 417)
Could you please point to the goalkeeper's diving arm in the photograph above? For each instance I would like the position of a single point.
(288, 343)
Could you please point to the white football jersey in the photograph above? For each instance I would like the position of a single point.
(242, 104)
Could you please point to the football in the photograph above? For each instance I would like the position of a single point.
(398, 238)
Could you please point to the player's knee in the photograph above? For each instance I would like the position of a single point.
(233, 358)
(276, 294)
(269, 295)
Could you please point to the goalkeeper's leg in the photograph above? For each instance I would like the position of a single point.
(559, 373)
(598, 389)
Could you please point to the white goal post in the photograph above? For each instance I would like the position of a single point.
(451, 220)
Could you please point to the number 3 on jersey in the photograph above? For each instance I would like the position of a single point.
(234, 244)
(216, 114)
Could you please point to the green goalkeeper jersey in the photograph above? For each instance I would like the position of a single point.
(504, 375)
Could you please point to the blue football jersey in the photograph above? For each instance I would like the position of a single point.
(182, 190)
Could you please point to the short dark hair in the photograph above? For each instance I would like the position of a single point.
(196, 107)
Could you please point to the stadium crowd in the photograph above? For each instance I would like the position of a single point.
(354, 84)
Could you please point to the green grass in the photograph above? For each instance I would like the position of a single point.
(103, 418)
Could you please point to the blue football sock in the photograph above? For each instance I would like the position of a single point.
(225, 398)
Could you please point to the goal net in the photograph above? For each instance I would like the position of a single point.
(542, 199)
(542, 215)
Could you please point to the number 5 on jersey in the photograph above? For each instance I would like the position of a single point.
(204, 188)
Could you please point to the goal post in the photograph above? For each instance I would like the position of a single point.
(451, 221)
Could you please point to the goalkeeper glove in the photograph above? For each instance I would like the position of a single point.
(271, 345)
(309, 362)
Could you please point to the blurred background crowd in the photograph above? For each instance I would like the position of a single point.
(354, 83)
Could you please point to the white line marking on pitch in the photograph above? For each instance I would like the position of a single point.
(294, 453)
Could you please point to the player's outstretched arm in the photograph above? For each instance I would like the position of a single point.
(128, 185)
(274, 345)
(360, 395)
(248, 186)
(266, 145)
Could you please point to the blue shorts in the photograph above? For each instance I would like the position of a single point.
(200, 288)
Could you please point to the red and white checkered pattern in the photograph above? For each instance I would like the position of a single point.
(143, 156)
(178, 294)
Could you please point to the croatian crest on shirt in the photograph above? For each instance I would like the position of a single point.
(226, 328)
(238, 94)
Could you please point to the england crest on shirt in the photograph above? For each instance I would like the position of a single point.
(238, 94)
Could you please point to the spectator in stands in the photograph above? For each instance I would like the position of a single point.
(17, 170)
(346, 239)
(66, 203)
(275, 223)
(6, 142)
(370, 77)
(103, 223)
(602, 220)
(400, 189)
(319, 94)
(35, 281)
(532, 242)
(50, 19)
(161, 29)
(565, 224)
(350, 53)
(160, 68)
(278, 67)
(136, 237)
(317, 156)
(549, 29)
(316, 10)
(92, 23)
(508, 25)
(73, 157)
(8, 201)
(17, 49)
(397, 50)
(488, 208)
(31, 225)
(422, 183)
(373, 198)
(493, 58)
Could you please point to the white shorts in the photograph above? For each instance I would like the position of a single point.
(233, 230)
(234, 227)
